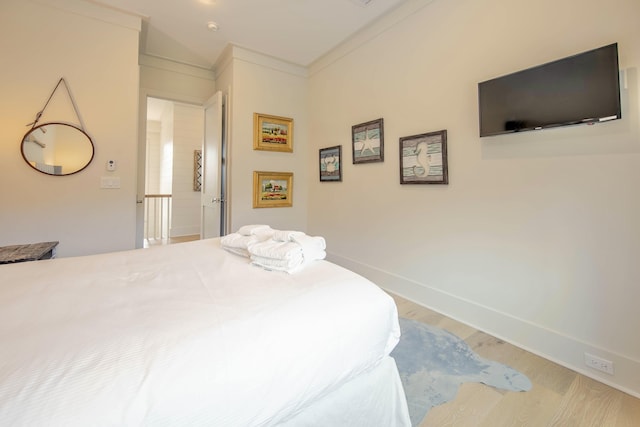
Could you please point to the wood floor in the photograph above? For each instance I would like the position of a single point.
(160, 242)
(559, 397)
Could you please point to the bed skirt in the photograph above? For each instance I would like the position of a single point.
(375, 398)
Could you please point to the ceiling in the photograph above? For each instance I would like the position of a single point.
(296, 31)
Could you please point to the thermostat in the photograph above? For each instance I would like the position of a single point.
(111, 165)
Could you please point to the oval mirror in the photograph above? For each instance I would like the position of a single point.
(57, 149)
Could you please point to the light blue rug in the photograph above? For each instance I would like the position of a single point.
(433, 363)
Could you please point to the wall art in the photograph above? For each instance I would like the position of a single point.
(423, 158)
(368, 142)
(272, 133)
(331, 163)
(272, 189)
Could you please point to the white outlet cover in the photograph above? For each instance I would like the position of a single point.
(599, 363)
(110, 182)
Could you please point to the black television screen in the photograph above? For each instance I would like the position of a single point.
(584, 88)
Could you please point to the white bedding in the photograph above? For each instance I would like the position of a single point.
(182, 335)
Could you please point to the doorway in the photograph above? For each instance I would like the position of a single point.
(174, 134)
(182, 170)
(214, 170)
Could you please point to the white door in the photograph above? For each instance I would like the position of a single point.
(213, 203)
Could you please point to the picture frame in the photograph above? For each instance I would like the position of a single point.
(197, 170)
(423, 158)
(272, 189)
(330, 164)
(367, 141)
(272, 133)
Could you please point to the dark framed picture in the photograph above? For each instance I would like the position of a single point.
(368, 142)
(272, 189)
(331, 163)
(423, 158)
(272, 133)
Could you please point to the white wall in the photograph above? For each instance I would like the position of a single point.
(263, 85)
(154, 158)
(166, 149)
(536, 238)
(96, 51)
(174, 81)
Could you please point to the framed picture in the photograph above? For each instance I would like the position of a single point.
(272, 133)
(331, 163)
(368, 142)
(197, 170)
(423, 158)
(272, 189)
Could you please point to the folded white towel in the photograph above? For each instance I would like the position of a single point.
(275, 250)
(277, 264)
(255, 229)
(280, 250)
(287, 265)
(239, 244)
(285, 235)
(238, 251)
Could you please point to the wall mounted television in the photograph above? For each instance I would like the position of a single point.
(583, 88)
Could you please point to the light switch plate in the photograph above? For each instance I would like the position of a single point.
(110, 182)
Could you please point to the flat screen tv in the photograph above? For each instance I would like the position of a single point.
(584, 88)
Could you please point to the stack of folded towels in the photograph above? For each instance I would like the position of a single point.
(272, 249)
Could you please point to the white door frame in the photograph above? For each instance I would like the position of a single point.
(142, 153)
(212, 200)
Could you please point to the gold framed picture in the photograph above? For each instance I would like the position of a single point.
(272, 133)
(272, 189)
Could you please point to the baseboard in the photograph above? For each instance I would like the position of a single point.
(544, 342)
(184, 231)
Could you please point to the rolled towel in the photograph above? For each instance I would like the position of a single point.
(285, 235)
(313, 247)
(314, 255)
(255, 229)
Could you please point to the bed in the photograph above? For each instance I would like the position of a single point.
(191, 335)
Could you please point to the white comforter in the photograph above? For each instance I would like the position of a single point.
(183, 335)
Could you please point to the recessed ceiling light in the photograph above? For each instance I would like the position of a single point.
(212, 26)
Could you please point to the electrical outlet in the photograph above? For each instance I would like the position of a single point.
(598, 363)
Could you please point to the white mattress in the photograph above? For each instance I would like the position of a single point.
(180, 335)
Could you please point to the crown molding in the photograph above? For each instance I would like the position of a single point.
(233, 52)
(152, 61)
(379, 26)
(96, 10)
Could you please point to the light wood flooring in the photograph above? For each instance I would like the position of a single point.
(559, 397)
(160, 242)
